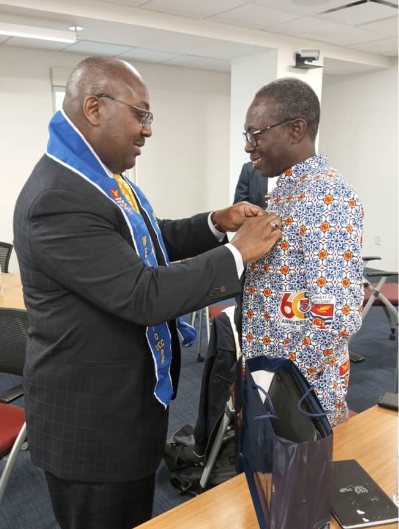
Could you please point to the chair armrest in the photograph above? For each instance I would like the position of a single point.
(12, 394)
(383, 274)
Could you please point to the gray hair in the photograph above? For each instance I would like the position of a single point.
(294, 99)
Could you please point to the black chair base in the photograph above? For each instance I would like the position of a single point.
(356, 358)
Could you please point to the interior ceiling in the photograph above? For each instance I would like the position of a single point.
(367, 25)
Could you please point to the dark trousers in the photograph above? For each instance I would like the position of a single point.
(79, 505)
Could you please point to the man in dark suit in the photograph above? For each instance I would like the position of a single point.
(251, 186)
(104, 305)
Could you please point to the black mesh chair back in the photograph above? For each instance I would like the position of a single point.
(5, 253)
(13, 334)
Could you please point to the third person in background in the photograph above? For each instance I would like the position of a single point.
(251, 186)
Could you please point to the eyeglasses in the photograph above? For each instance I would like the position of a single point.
(145, 116)
(250, 137)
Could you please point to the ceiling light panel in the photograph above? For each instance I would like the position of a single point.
(254, 16)
(324, 31)
(303, 7)
(19, 42)
(34, 32)
(361, 14)
(190, 8)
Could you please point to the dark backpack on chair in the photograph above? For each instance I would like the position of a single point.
(188, 450)
(186, 470)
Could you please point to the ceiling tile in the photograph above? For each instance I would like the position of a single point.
(130, 36)
(140, 54)
(253, 16)
(386, 27)
(303, 7)
(191, 8)
(391, 53)
(22, 42)
(361, 13)
(203, 63)
(182, 44)
(384, 46)
(133, 3)
(325, 31)
(96, 48)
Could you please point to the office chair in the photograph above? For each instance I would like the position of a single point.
(5, 254)
(201, 313)
(229, 411)
(382, 294)
(209, 312)
(13, 333)
(379, 294)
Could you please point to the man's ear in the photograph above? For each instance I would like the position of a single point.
(298, 130)
(91, 110)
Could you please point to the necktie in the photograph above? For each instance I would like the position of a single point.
(127, 192)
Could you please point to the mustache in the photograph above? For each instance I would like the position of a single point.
(140, 142)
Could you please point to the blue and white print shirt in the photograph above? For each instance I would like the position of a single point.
(303, 300)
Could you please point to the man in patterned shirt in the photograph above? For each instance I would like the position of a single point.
(303, 299)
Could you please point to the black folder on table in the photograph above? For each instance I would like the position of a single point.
(358, 501)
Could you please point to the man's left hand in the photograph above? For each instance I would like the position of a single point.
(232, 218)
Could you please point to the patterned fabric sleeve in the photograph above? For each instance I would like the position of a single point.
(331, 229)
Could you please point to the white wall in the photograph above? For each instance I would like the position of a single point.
(248, 75)
(359, 132)
(184, 166)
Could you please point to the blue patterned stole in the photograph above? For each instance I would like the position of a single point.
(68, 147)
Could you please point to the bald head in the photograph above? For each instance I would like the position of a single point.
(108, 101)
(96, 75)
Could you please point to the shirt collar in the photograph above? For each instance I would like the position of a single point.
(315, 165)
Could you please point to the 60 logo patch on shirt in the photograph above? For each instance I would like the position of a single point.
(294, 306)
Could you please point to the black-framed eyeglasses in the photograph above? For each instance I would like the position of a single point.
(251, 136)
(145, 116)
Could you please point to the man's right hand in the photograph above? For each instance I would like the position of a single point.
(257, 236)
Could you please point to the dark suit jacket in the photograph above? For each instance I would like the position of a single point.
(251, 186)
(89, 374)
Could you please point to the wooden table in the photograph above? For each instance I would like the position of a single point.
(370, 437)
(12, 297)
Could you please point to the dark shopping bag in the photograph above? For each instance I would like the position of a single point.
(286, 447)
